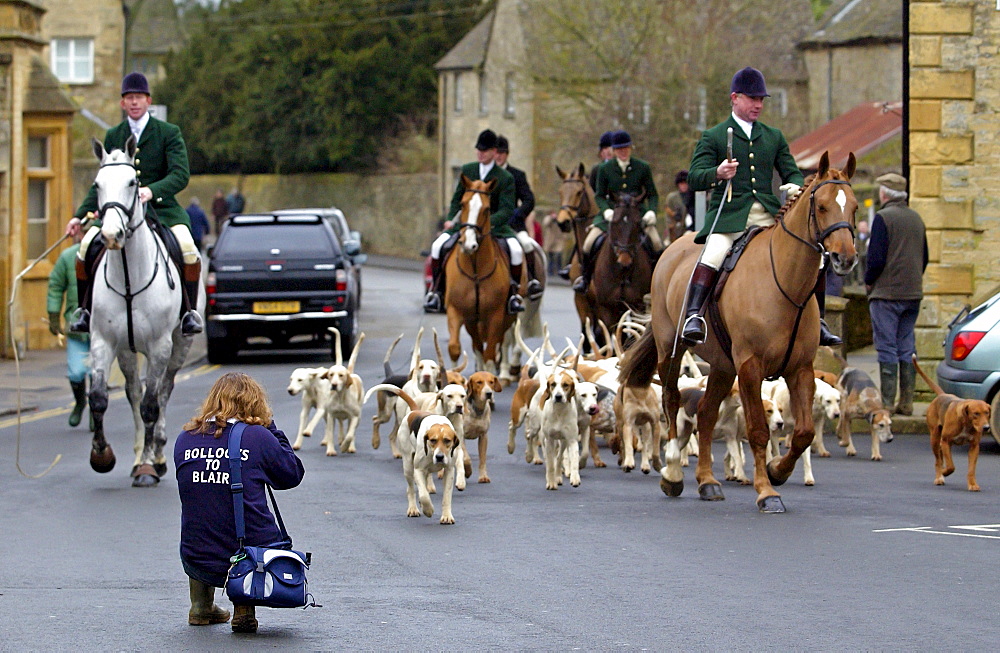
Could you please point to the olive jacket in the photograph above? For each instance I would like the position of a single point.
(62, 283)
(161, 163)
(759, 156)
(638, 176)
(502, 199)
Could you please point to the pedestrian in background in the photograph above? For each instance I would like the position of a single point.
(220, 210)
(534, 230)
(897, 258)
(554, 242)
(208, 524)
(235, 202)
(679, 209)
(62, 303)
(199, 222)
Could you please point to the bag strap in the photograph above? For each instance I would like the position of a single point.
(236, 478)
(236, 486)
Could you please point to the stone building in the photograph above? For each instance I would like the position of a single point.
(35, 189)
(954, 146)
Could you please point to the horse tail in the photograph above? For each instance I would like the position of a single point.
(639, 363)
(391, 389)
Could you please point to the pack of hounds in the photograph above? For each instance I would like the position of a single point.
(564, 401)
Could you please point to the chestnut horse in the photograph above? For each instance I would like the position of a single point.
(772, 321)
(478, 274)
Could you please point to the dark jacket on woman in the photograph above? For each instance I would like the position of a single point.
(208, 528)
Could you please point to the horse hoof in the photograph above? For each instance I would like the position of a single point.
(710, 492)
(145, 480)
(102, 462)
(160, 469)
(775, 480)
(671, 488)
(771, 505)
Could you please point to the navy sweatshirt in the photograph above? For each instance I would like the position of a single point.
(208, 528)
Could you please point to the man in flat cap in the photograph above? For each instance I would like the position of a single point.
(897, 258)
(502, 204)
(161, 167)
(525, 200)
(621, 174)
(758, 152)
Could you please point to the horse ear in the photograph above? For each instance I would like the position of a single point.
(582, 171)
(562, 175)
(852, 165)
(98, 148)
(824, 165)
(490, 185)
(466, 182)
(130, 146)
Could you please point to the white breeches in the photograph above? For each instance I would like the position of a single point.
(591, 237)
(181, 233)
(516, 253)
(718, 244)
(527, 242)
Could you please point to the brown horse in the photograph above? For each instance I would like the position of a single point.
(767, 309)
(478, 274)
(623, 269)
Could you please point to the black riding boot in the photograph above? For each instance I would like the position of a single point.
(534, 289)
(81, 318)
(582, 282)
(695, 332)
(433, 302)
(515, 304)
(826, 337)
(190, 319)
(80, 396)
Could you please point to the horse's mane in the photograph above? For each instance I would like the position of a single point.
(789, 203)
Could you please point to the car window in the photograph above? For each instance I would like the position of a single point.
(257, 241)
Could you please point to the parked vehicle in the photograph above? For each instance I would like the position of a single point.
(971, 365)
(279, 276)
(350, 240)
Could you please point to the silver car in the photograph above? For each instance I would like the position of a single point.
(971, 365)
(350, 240)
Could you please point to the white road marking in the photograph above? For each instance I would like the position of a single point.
(990, 528)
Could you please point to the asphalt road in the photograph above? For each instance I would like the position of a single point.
(873, 557)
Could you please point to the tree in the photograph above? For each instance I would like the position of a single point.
(308, 85)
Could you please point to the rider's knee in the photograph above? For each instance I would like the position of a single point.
(88, 238)
(438, 244)
(189, 250)
(588, 242)
(516, 253)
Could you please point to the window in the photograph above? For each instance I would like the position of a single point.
(458, 92)
(779, 101)
(73, 60)
(483, 94)
(508, 96)
(39, 179)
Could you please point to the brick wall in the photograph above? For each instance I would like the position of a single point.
(954, 153)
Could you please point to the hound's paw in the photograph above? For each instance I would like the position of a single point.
(810, 482)
(599, 463)
(973, 488)
(352, 449)
(397, 455)
(939, 480)
(307, 434)
(484, 479)
(331, 452)
(823, 454)
(876, 457)
(297, 446)
(412, 512)
(852, 452)
(538, 461)
(575, 482)
(376, 442)
(551, 486)
(427, 507)
(447, 520)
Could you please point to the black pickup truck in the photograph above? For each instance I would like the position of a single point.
(279, 277)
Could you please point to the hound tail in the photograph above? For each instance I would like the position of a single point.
(391, 389)
(388, 355)
(639, 362)
(934, 386)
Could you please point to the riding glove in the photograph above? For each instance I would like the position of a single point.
(791, 190)
(608, 214)
(55, 326)
(649, 219)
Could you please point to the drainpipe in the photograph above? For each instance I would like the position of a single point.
(906, 92)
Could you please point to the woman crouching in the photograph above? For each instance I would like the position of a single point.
(208, 527)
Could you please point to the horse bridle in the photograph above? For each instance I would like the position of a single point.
(578, 209)
(469, 225)
(127, 211)
(820, 237)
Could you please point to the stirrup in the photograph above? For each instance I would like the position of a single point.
(81, 321)
(695, 330)
(564, 272)
(826, 337)
(191, 324)
(432, 302)
(515, 304)
(534, 289)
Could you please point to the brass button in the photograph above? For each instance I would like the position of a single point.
(753, 180)
(137, 161)
(137, 150)
(754, 191)
(752, 168)
(751, 143)
(138, 172)
(624, 186)
(751, 155)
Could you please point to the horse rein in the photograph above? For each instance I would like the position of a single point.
(127, 211)
(578, 209)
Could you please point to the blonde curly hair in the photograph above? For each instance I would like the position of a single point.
(235, 395)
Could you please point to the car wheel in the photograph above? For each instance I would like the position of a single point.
(995, 417)
(347, 327)
(221, 351)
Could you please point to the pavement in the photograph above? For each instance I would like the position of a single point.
(41, 379)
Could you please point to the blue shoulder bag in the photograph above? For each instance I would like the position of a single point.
(273, 575)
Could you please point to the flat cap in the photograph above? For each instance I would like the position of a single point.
(892, 181)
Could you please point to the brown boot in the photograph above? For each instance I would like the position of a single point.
(244, 619)
(203, 609)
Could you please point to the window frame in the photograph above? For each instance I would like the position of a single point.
(72, 58)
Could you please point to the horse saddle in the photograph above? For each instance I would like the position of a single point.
(169, 241)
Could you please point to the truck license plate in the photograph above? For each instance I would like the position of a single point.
(276, 307)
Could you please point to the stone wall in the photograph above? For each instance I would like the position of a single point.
(954, 147)
(836, 84)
